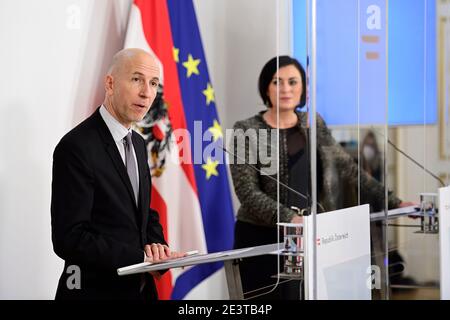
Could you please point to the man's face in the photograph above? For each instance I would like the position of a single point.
(132, 88)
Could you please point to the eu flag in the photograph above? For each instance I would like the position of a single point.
(200, 111)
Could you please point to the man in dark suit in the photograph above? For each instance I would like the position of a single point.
(100, 208)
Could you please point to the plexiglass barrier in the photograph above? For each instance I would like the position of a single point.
(343, 105)
(378, 100)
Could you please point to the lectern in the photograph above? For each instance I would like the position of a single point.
(230, 259)
(340, 241)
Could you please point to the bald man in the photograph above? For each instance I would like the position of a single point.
(101, 216)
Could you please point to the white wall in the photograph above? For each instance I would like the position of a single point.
(54, 54)
(52, 68)
(239, 37)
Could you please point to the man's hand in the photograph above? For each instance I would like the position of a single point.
(157, 252)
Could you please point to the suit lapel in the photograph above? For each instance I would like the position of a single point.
(113, 152)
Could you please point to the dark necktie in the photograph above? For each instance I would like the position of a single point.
(131, 165)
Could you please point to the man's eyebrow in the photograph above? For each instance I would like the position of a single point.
(143, 75)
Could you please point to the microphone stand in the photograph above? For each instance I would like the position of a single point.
(409, 157)
(416, 163)
(308, 200)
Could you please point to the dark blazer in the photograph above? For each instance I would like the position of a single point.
(96, 224)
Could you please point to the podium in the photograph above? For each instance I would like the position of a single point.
(340, 241)
(229, 257)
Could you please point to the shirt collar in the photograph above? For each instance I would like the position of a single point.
(118, 131)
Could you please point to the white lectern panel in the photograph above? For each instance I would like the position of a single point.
(343, 254)
(444, 240)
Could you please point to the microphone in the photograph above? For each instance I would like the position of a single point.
(308, 199)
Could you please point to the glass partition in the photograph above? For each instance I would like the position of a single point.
(257, 145)
(377, 119)
(336, 151)
(351, 107)
(416, 161)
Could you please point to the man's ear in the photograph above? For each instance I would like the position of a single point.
(109, 84)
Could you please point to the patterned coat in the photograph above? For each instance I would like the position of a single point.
(258, 192)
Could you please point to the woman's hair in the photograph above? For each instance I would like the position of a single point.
(268, 72)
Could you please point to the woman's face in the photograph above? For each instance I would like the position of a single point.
(291, 88)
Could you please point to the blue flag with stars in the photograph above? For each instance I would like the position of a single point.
(203, 123)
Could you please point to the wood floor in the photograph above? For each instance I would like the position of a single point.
(415, 294)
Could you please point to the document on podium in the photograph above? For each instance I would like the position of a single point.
(395, 213)
(195, 258)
